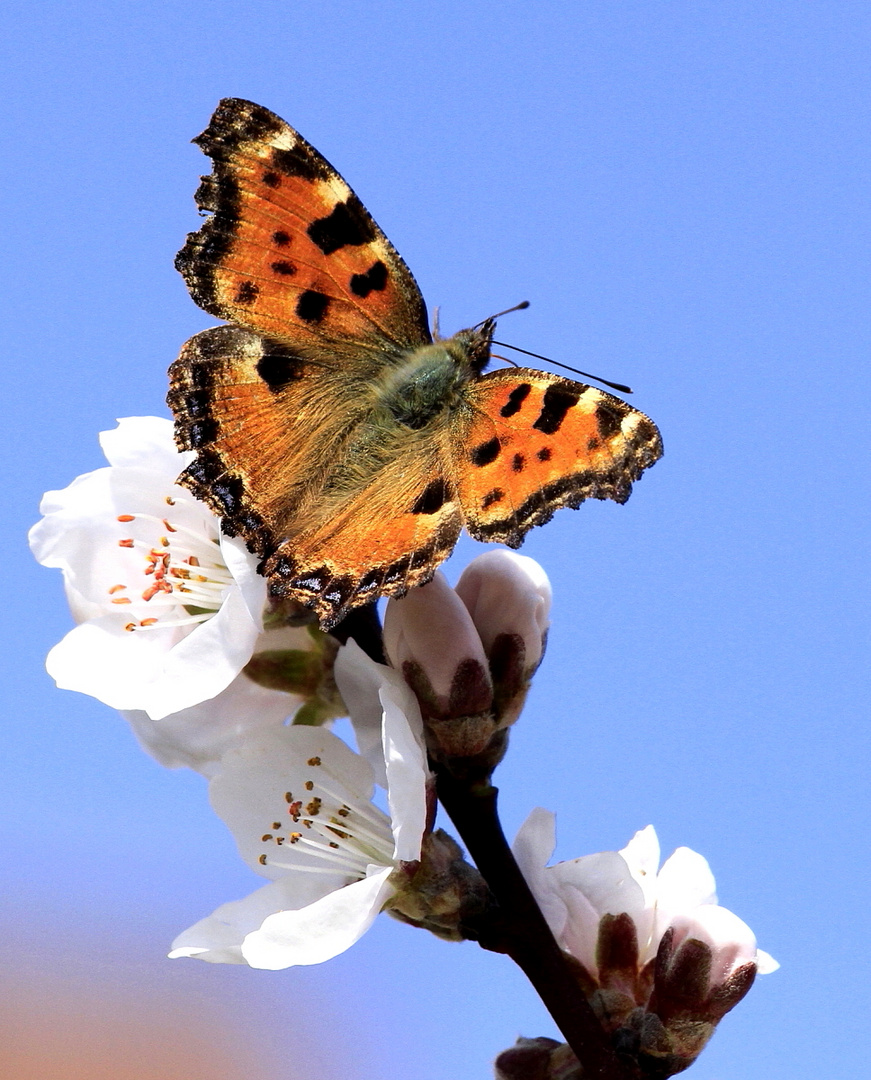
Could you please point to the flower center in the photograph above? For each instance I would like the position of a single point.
(338, 832)
(180, 578)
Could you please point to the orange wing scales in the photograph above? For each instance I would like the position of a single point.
(272, 448)
(290, 251)
(345, 447)
(539, 442)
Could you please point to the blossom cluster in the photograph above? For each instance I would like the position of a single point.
(174, 629)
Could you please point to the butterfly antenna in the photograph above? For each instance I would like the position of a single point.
(605, 382)
(492, 318)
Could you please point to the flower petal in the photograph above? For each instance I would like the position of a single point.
(250, 791)
(320, 930)
(406, 766)
(218, 938)
(730, 939)
(237, 559)
(359, 680)
(533, 846)
(139, 439)
(200, 736)
(684, 882)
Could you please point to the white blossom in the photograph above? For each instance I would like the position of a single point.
(199, 737)
(299, 803)
(169, 609)
(680, 896)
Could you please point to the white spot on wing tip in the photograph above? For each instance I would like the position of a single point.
(285, 140)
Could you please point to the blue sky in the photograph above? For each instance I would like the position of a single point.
(681, 191)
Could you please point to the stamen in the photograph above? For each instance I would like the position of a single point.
(172, 582)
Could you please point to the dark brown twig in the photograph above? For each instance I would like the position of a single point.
(522, 930)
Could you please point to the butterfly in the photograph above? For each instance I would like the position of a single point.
(332, 432)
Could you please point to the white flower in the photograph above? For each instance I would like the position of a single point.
(199, 737)
(576, 896)
(169, 609)
(298, 801)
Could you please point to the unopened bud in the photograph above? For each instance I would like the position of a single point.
(429, 636)
(538, 1059)
(469, 654)
(508, 597)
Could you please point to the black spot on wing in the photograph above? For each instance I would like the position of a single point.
(279, 368)
(557, 402)
(486, 453)
(272, 179)
(609, 417)
(544, 454)
(518, 463)
(494, 496)
(645, 431)
(302, 161)
(347, 225)
(515, 399)
(374, 278)
(280, 238)
(432, 498)
(283, 267)
(312, 306)
(247, 293)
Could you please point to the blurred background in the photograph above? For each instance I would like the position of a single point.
(681, 191)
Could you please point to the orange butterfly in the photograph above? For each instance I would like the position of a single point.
(345, 445)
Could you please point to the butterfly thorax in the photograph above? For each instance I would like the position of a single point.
(428, 381)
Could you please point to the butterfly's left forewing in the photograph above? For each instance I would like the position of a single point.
(533, 442)
(289, 251)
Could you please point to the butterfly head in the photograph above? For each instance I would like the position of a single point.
(474, 344)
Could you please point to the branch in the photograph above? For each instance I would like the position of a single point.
(524, 933)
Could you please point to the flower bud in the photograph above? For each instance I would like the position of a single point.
(469, 654)
(508, 594)
(538, 1059)
(429, 636)
(508, 597)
